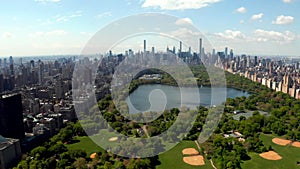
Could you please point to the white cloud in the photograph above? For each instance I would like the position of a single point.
(242, 21)
(76, 14)
(287, 1)
(45, 22)
(56, 33)
(273, 36)
(283, 20)
(86, 33)
(184, 21)
(257, 16)
(184, 33)
(36, 34)
(178, 4)
(7, 35)
(241, 10)
(50, 33)
(66, 18)
(231, 35)
(104, 14)
(60, 18)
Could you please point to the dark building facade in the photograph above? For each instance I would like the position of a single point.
(11, 116)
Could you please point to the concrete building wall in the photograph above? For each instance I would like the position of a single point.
(9, 153)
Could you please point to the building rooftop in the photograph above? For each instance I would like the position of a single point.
(2, 139)
(5, 142)
(8, 95)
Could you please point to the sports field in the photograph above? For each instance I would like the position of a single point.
(174, 157)
(170, 159)
(290, 155)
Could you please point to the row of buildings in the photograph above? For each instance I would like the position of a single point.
(281, 75)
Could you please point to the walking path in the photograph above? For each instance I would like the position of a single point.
(211, 161)
(212, 164)
(145, 130)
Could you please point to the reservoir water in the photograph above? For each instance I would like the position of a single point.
(157, 97)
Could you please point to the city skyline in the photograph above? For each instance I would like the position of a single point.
(61, 27)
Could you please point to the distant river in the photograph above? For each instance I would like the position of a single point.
(157, 97)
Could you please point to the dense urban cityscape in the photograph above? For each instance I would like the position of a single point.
(149, 84)
(36, 99)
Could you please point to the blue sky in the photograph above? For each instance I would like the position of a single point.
(54, 27)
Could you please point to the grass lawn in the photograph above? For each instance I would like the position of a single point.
(173, 158)
(290, 155)
(85, 143)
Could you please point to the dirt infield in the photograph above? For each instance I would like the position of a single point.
(271, 155)
(296, 144)
(281, 142)
(113, 139)
(194, 160)
(92, 156)
(190, 151)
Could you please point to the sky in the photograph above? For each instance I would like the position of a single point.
(62, 27)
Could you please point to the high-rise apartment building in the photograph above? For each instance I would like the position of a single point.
(11, 116)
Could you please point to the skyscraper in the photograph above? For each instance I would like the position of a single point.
(145, 46)
(248, 61)
(214, 52)
(4, 63)
(226, 52)
(11, 116)
(153, 50)
(180, 48)
(200, 48)
(11, 66)
(231, 54)
(255, 61)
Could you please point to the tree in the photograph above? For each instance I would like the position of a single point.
(23, 165)
(40, 152)
(63, 163)
(119, 165)
(57, 148)
(50, 163)
(74, 154)
(78, 130)
(107, 165)
(242, 118)
(66, 134)
(80, 163)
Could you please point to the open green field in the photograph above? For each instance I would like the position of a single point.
(170, 159)
(173, 158)
(85, 143)
(290, 155)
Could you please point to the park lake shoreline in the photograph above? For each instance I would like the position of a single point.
(140, 96)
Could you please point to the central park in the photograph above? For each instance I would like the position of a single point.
(259, 140)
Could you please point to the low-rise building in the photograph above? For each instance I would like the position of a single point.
(68, 113)
(10, 152)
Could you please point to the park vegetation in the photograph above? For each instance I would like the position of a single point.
(283, 119)
(55, 154)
